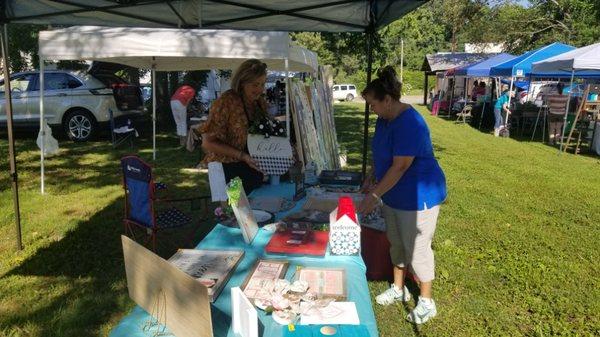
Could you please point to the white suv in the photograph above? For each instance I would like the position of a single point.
(77, 101)
(344, 92)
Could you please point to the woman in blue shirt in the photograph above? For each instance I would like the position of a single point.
(410, 186)
(500, 107)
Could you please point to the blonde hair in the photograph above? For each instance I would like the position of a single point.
(248, 71)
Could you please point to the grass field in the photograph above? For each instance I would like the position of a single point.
(516, 246)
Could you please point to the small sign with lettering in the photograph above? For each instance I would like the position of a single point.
(274, 154)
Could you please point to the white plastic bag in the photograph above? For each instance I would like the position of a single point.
(50, 143)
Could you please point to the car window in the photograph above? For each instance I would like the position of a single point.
(55, 81)
(336, 88)
(352, 87)
(72, 82)
(344, 87)
(19, 83)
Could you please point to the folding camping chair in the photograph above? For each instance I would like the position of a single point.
(465, 113)
(141, 203)
(121, 131)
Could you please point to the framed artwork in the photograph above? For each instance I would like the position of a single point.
(325, 282)
(212, 268)
(262, 277)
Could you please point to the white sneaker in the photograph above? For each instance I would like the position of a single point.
(424, 310)
(393, 294)
(496, 132)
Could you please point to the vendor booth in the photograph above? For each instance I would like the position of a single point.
(583, 63)
(171, 50)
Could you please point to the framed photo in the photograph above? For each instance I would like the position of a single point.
(262, 277)
(325, 282)
(212, 268)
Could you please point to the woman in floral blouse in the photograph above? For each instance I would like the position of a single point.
(225, 132)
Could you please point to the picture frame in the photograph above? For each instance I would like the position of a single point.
(262, 277)
(324, 282)
(212, 268)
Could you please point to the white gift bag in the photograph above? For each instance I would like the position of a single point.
(50, 143)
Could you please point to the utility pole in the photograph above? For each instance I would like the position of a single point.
(401, 59)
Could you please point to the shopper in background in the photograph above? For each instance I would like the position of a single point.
(179, 103)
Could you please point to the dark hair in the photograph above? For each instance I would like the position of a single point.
(560, 87)
(482, 84)
(386, 83)
(475, 83)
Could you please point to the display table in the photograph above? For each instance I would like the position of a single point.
(596, 140)
(222, 237)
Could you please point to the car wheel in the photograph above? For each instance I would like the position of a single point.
(79, 125)
(349, 97)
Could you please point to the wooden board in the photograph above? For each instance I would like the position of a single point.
(166, 292)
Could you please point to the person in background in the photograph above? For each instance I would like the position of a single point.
(501, 109)
(409, 185)
(557, 106)
(179, 103)
(474, 89)
(479, 91)
(225, 133)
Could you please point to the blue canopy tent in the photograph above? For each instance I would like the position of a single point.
(520, 66)
(482, 68)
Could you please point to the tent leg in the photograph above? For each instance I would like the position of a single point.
(562, 134)
(42, 129)
(512, 79)
(366, 121)
(287, 99)
(481, 115)
(153, 113)
(11, 140)
(537, 119)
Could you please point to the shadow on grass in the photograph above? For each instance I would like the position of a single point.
(88, 265)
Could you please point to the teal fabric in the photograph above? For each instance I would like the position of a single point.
(503, 99)
(222, 237)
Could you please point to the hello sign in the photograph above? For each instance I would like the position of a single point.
(274, 154)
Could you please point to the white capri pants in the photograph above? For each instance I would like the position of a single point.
(410, 234)
(180, 116)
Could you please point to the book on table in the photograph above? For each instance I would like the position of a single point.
(212, 268)
(298, 242)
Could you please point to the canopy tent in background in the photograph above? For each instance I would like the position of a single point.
(174, 49)
(520, 66)
(482, 68)
(582, 62)
(163, 49)
(311, 15)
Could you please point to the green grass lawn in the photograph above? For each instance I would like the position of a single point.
(516, 245)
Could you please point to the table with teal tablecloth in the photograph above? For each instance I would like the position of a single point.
(222, 237)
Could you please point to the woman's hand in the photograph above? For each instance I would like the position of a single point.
(246, 158)
(368, 204)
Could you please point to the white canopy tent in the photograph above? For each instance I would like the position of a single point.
(584, 61)
(164, 49)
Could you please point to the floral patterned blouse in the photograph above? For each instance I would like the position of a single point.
(228, 123)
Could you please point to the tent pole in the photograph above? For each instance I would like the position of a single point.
(153, 112)
(366, 121)
(512, 79)
(287, 99)
(42, 129)
(562, 134)
(11, 140)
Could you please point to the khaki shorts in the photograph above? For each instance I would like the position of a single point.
(410, 234)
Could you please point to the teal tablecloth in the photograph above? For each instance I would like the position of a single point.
(222, 237)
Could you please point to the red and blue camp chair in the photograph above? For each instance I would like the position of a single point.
(141, 202)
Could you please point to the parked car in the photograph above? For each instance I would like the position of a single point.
(77, 101)
(344, 92)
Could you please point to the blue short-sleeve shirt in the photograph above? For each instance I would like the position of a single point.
(423, 185)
